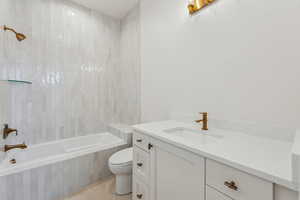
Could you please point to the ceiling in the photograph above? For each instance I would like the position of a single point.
(114, 8)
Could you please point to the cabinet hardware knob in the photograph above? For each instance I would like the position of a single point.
(231, 185)
(139, 196)
(139, 140)
(139, 164)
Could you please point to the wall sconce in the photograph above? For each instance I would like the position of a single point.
(196, 5)
(19, 36)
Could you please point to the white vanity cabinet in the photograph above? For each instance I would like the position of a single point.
(164, 172)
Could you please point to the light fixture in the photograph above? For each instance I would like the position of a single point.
(196, 5)
(19, 36)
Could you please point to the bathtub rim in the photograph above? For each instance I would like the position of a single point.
(14, 169)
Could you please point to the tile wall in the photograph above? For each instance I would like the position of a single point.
(84, 67)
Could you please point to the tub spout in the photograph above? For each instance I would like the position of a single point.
(18, 146)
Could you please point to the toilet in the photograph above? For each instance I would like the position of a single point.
(120, 164)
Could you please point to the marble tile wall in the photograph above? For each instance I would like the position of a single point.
(129, 74)
(57, 181)
(73, 56)
(122, 131)
(4, 111)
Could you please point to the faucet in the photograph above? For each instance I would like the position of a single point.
(18, 146)
(7, 131)
(204, 121)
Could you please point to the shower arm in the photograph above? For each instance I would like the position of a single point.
(19, 36)
(5, 28)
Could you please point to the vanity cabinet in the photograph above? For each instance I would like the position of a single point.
(166, 172)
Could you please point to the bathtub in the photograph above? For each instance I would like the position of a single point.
(49, 153)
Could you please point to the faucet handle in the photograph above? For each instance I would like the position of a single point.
(204, 120)
(7, 131)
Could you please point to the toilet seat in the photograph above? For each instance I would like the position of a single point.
(122, 158)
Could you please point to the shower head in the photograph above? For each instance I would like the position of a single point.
(19, 36)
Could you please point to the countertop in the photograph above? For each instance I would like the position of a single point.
(266, 158)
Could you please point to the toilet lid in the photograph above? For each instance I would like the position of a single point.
(123, 157)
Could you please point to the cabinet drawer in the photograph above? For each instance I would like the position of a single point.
(236, 184)
(212, 194)
(141, 164)
(141, 141)
(140, 190)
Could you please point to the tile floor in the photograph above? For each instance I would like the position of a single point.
(104, 190)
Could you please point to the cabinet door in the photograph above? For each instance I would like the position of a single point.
(175, 173)
(141, 164)
(212, 194)
(140, 190)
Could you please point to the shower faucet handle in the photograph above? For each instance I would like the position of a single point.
(7, 131)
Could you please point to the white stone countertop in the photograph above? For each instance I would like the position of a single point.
(263, 157)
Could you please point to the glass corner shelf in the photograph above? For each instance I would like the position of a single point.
(18, 81)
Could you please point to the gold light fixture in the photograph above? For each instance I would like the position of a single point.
(19, 36)
(196, 5)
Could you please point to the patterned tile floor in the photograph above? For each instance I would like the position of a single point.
(103, 190)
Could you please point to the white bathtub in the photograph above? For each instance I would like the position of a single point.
(52, 152)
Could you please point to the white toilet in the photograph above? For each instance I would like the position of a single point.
(120, 164)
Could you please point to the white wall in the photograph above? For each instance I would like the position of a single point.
(237, 59)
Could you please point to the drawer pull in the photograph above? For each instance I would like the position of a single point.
(139, 140)
(139, 164)
(231, 185)
(139, 196)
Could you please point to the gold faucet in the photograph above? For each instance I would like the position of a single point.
(204, 121)
(18, 146)
(7, 131)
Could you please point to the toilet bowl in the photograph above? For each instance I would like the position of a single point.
(120, 164)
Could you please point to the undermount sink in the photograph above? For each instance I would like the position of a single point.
(193, 135)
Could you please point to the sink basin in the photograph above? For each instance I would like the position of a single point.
(195, 136)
